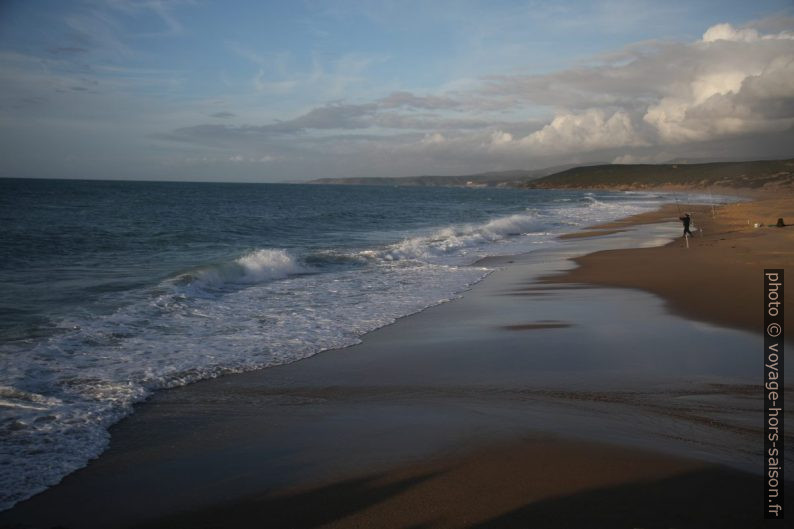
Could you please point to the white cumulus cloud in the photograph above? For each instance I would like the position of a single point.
(652, 101)
(743, 83)
(590, 130)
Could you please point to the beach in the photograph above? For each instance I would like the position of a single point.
(730, 250)
(396, 265)
(612, 380)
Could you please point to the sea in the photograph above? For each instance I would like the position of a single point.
(114, 290)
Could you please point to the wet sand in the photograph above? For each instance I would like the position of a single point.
(522, 404)
(543, 484)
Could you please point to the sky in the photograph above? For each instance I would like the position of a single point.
(272, 91)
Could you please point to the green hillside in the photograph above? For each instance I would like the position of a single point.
(767, 173)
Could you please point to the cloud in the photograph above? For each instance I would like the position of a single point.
(284, 73)
(223, 115)
(342, 116)
(732, 81)
(67, 50)
(591, 130)
(659, 157)
(161, 9)
(729, 33)
(239, 158)
(328, 117)
(333, 116)
(407, 99)
(394, 120)
(747, 87)
(729, 93)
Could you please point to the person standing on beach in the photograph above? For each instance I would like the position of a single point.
(686, 219)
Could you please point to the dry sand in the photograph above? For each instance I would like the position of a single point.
(719, 278)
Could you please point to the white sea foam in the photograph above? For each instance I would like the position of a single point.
(453, 241)
(254, 267)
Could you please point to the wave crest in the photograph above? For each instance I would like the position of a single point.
(454, 239)
(259, 266)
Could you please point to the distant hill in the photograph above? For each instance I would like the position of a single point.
(756, 174)
(765, 173)
(490, 179)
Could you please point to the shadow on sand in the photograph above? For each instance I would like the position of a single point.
(704, 498)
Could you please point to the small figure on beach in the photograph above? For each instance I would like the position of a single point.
(686, 219)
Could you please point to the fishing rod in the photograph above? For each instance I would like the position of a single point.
(711, 199)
